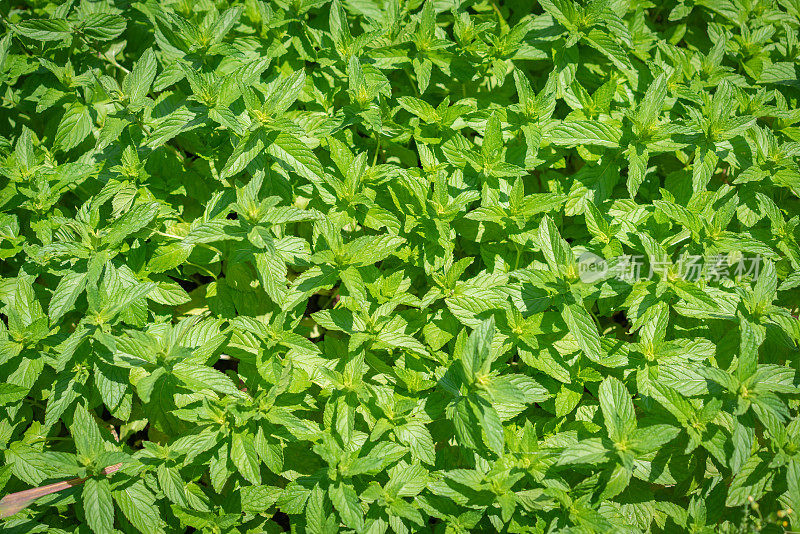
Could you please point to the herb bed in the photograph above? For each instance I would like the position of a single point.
(399, 266)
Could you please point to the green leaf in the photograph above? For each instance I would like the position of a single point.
(346, 502)
(246, 150)
(103, 26)
(617, 407)
(11, 393)
(585, 132)
(294, 155)
(98, 506)
(139, 216)
(245, 458)
(751, 338)
(137, 505)
(86, 433)
(75, 126)
(200, 377)
(475, 357)
(418, 107)
(492, 139)
(169, 257)
(582, 327)
(44, 29)
(65, 295)
(259, 498)
(603, 42)
(556, 251)
(490, 423)
(137, 84)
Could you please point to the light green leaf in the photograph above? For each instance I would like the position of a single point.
(75, 126)
(617, 407)
(244, 457)
(98, 506)
(582, 327)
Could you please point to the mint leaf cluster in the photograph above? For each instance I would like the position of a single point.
(399, 266)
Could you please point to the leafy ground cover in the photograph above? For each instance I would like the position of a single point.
(399, 266)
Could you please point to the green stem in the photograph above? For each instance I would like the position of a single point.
(411, 80)
(377, 149)
(596, 320)
(500, 17)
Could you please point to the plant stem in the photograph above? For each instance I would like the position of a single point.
(15, 502)
(377, 149)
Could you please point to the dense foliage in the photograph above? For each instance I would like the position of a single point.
(400, 266)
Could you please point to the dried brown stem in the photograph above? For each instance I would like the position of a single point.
(15, 502)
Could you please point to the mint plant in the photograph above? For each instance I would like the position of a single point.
(399, 266)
